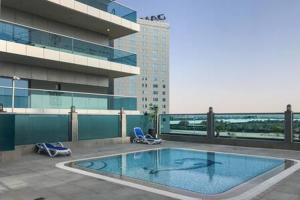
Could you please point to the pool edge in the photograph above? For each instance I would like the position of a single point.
(249, 194)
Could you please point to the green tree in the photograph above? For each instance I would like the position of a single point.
(153, 113)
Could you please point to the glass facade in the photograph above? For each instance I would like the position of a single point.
(113, 8)
(23, 35)
(152, 47)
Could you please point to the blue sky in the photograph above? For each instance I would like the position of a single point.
(234, 55)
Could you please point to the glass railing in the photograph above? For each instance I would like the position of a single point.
(113, 8)
(33, 37)
(183, 124)
(296, 127)
(51, 99)
(259, 126)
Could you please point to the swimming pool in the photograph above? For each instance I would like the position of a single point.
(203, 173)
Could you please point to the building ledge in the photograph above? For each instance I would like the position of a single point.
(67, 111)
(77, 14)
(42, 57)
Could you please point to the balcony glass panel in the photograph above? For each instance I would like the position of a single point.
(296, 127)
(47, 40)
(183, 124)
(259, 126)
(51, 99)
(113, 8)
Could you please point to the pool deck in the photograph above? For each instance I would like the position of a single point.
(35, 176)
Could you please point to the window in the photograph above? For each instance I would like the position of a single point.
(164, 86)
(155, 67)
(21, 35)
(164, 99)
(6, 31)
(164, 93)
(155, 92)
(5, 82)
(155, 99)
(21, 100)
(155, 85)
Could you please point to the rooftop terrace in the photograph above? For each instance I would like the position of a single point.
(35, 176)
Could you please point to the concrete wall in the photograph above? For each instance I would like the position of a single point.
(37, 22)
(53, 75)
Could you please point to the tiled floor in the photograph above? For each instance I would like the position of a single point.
(35, 176)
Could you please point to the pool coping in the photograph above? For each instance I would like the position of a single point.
(249, 194)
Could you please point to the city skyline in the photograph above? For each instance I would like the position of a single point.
(237, 56)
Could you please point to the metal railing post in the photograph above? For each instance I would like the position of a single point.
(211, 124)
(288, 124)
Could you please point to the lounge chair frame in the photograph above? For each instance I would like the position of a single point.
(52, 152)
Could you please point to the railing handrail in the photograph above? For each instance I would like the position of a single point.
(68, 92)
(246, 113)
(187, 114)
(254, 113)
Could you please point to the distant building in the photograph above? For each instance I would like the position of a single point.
(151, 45)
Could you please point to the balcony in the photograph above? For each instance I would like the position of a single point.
(105, 17)
(53, 99)
(113, 8)
(35, 47)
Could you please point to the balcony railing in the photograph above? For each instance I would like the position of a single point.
(113, 8)
(52, 99)
(184, 124)
(227, 125)
(33, 37)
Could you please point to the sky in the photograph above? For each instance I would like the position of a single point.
(233, 55)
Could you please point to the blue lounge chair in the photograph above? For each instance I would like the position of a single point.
(140, 137)
(53, 150)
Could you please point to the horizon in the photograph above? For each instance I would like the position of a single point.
(237, 56)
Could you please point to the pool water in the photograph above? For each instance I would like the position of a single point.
(207, 173)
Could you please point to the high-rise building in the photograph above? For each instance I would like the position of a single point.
(151, 45)
(58, 54)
